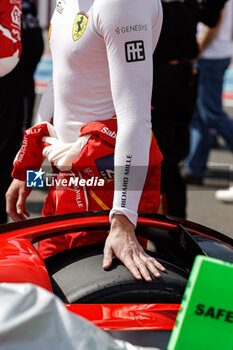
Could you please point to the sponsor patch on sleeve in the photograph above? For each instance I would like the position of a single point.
(134, 51)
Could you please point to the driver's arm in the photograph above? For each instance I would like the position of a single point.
(17, 192)
(129, 54)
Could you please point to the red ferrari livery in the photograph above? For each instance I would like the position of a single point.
(137, 311)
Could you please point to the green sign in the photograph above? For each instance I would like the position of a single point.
(205, 320)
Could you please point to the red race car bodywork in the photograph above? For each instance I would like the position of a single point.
(178, 241)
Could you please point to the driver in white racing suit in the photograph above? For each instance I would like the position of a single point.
(102, 66)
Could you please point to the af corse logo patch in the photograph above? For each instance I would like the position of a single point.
(80, 25)
(134, 51)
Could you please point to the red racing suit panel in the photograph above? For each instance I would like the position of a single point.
(95, 161)
(30, 154)
(10, 30)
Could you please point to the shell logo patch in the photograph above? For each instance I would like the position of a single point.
(79, 26)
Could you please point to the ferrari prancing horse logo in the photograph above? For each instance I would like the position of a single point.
(79, 26)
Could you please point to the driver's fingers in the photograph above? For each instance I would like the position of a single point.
(11, 207)
(26, 212)
(20, 205)
(152, 264)
(142, 268)
(156, 263)
(132, 267)
(108, 256)
(15, 217)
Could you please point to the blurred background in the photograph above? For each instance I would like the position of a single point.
(45, 9)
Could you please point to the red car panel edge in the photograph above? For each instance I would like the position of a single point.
(128, 316)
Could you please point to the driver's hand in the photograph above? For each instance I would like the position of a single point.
(16, 200)
(122, 243)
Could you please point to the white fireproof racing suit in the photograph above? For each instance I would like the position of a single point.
(102, 66)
